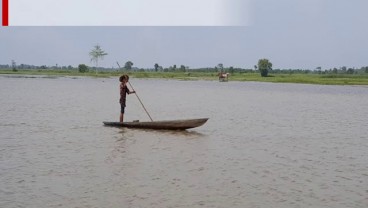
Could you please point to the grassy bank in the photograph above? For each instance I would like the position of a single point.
(324, 79)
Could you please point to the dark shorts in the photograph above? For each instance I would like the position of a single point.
(122, 108)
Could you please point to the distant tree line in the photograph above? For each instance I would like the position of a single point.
(16, 66)
(340, 70)
(129, 66)
(264, 67)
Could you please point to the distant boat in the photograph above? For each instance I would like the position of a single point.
(167, 125)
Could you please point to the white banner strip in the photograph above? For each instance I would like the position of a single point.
(129, 12)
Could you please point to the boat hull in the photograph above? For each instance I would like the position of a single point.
(167, 125)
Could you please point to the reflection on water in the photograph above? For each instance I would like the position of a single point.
(265, 145)
(177, 133)
(184, 133)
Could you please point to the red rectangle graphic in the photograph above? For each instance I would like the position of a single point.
(5, 12)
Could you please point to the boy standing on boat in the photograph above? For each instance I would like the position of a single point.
(123, 91)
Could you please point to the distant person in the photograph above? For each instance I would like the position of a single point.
(123, 91)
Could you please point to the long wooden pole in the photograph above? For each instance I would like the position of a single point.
(140, 101)
(138, 97)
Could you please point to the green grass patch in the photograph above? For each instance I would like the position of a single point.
(326, 79)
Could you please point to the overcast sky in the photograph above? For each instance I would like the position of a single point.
(290, 33)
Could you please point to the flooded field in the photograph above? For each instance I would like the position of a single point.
(265, 144)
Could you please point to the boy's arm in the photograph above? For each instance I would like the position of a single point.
(130, 92)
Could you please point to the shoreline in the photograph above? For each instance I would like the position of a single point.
(317, 79)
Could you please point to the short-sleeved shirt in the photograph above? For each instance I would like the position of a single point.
(123, 91)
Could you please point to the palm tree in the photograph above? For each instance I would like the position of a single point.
(96, 54)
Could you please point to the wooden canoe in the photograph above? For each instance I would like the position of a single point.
(168, 125)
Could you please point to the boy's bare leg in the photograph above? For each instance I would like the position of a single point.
(121, 118)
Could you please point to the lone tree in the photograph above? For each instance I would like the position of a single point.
(264, 65)
(156, 66)
(14, 65)
(96, 54)
(221, 67)
(83, 68)
(128, 65)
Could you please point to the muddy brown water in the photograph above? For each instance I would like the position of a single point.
(265, 144)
